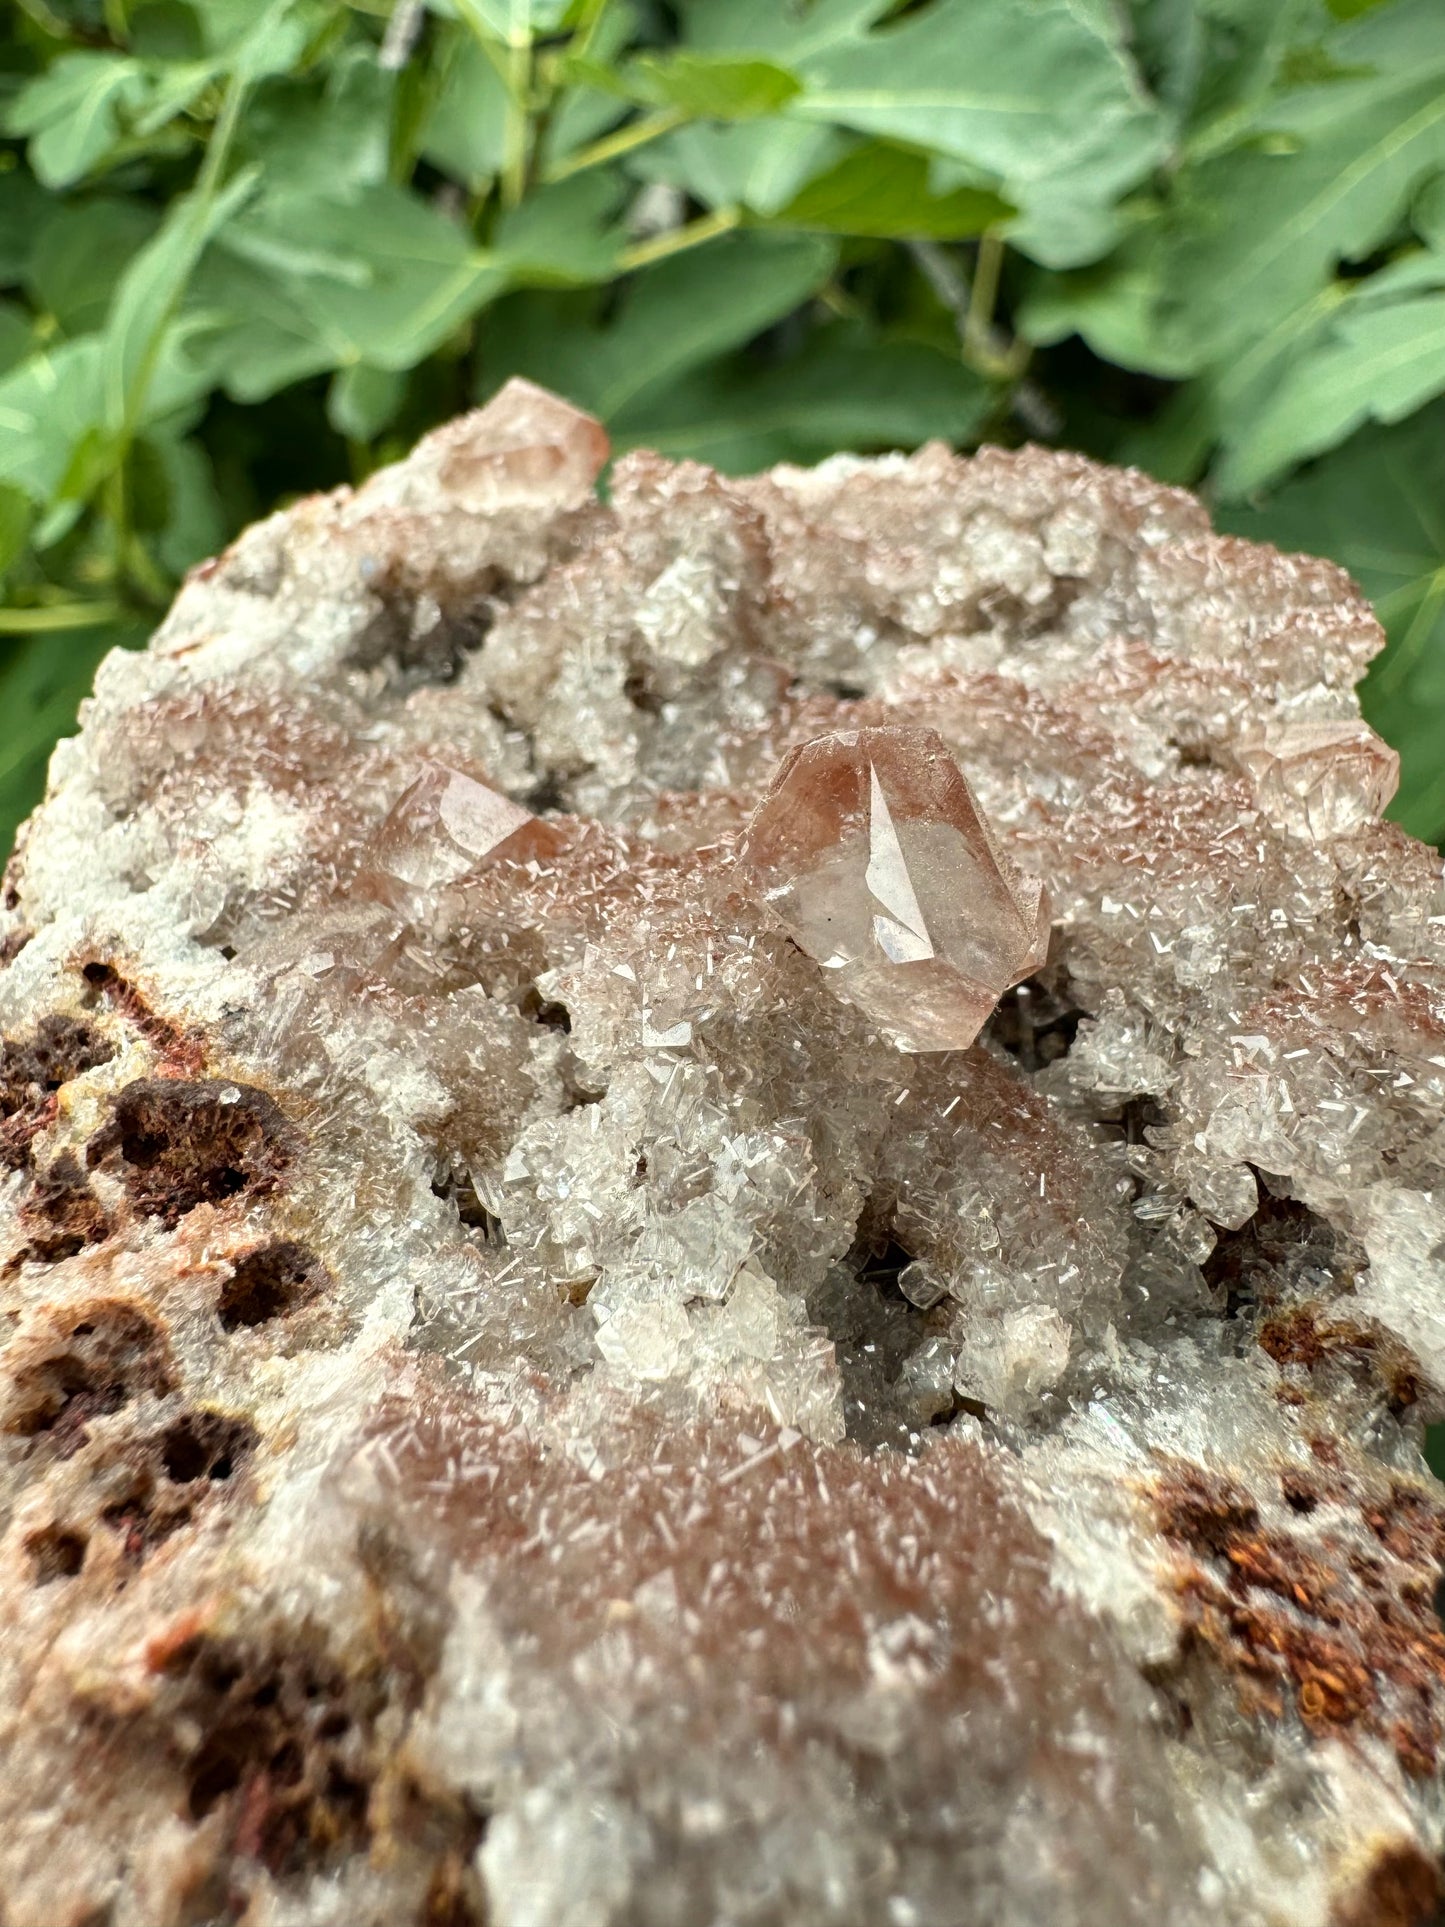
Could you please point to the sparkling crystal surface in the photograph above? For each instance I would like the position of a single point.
(1321, 779)
(520, 1404)
(446, 823)
(870, 851)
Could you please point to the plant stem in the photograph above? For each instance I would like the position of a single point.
(514, 153)
(978, 323)
(678, 239)
(636, 133)
(58, 615)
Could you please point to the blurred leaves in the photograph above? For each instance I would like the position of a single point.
(251, 247)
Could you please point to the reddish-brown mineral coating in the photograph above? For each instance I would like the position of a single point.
(519, 1403)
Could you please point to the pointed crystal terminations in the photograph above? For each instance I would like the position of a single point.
(1323, 779)
(526, 449)
(446, 823)
(872, 854)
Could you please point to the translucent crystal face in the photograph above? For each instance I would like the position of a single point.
(871, 852)
(526, 447)
(1322, 779)
(446, 823)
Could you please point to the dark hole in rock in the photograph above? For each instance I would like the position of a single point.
(1283, 1247)
(285, 1748)
(144, 1519)
(183, 1143)
(1136, 1115)
(1035, 1022)
(58, 1049)
(62, 1213)
(93, 1366)
(205, 1445)
(55, 1553)
(641, 695)
(1194, 752)
(454, 1896)
(33, 1069)
(269, 1282)
(875, 1329)
(546, 794)
(546, 1011)
(457, 1186)
(422, 641)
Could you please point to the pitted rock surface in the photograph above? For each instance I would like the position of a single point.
(519, 1404)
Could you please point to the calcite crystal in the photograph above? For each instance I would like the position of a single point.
(520, 1403)
(870, 851)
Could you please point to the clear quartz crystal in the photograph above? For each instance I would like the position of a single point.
(871, 852)
(527, 448)
(446, 823)
(1319, 780)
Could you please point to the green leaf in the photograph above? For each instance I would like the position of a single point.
(194, 524)
(760, 165)
(882, 190)
(566, 235)
(1375, 505)
(48, 404)
(784, 30)
(247, 332)
(713, 87)
(24, 212)
(464, 130)
(15, 517)
(379, 276)
(337, 135)
(582, 113)
(362, 401)
(512, 21)
(1328, 173)
(149, 292)
(16, 338)
(42, 681)
(72, 112)
(251, 39)
(80, 254)
(1375, 362)
(1113, 305)
(1036, 95)
(844, 390)
(669, 318)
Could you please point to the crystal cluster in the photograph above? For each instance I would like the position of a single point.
(725, 1205)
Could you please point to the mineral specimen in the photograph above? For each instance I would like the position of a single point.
(854, 825)
(519, 1403)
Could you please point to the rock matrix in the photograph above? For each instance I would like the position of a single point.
(724, 1203)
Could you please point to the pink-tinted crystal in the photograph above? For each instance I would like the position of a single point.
(525, 447)
(870, 851)
(447, 823)
(1321, 779)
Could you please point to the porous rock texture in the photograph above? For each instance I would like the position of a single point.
(517, 1405)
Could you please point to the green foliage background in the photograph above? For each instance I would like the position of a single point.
(253, 247)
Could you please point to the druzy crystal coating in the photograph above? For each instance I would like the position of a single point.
(519, 1403)
(871, 853)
